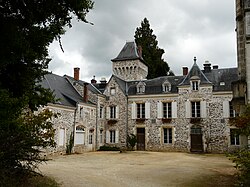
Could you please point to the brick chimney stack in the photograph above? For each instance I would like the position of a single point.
(93, 81)
(76, 73)
(139, 49)
(85, 92)
(185, 70)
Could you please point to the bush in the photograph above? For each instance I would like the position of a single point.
(70, 144)
(131, 141)
(108, 148)
(242, 160)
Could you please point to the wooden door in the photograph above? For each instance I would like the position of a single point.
(140, 139)
(196, 140)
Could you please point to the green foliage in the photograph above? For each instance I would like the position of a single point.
(70, 144)
(242, 160)
(132, 140)
(151, 53)
(27, 29)
(242, 157)
(108, 148)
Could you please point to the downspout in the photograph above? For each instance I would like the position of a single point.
(96, 123)
(74, 125)
(127, 115)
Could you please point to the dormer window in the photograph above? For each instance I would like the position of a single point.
(141, 87)
(195, 85)
(166, 86)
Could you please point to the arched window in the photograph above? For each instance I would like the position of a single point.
(80, 135)
(141, 87)
(166, 86)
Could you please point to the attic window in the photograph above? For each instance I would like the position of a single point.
(222, 83)
(141, 87)
(166, 87)
(195, 85)
(112, 91)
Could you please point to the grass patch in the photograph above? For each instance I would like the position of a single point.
(221, 180)
(41, 181)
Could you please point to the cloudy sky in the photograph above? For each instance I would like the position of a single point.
(184, 29)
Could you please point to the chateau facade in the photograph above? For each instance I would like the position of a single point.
(190, 112)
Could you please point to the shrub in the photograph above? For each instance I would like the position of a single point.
(242, 160)
(108, 148)
(70, 144)
(131, 141)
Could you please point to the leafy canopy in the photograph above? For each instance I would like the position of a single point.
(151, 53)
(27, 29)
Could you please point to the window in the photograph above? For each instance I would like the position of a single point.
(167, 110)
(234, 137)
(166, 87)
(112, 112)
(101, 136)
(231, 110)
(91, 136)
(112, 136)
(61, 141)
(79, 138)
(167, 135)
(195, 85)
(141, 87)
(81, 111)
(196, 109)
(112, 91)
(141, 110)
(101, 112)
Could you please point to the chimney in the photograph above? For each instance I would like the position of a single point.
(207, 67)
(215, 67)
(139, 49)
(185, 70)
(76, 73)
(103, 82)
(85, 92)
(93, 81)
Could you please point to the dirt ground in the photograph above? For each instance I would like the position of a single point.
(140, 169)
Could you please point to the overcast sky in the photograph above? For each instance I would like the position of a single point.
(184, 29)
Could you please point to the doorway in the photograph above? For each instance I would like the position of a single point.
(141, 139)
(196, 139)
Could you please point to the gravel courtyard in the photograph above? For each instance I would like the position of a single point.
(142, 169)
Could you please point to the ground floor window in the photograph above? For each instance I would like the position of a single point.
(112, 136)
(91, 136)
(101, 136)
(61, 141)
(234, 137)
(167, 135)
(79, 137)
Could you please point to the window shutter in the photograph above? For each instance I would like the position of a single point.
(133, 110)
(174, 109)
(117, 136)
(107, 136)
(159, 109)
(107, 112)
(147, 110)
(203, 109)
(188, 109)
(226, 109)
(117, 112)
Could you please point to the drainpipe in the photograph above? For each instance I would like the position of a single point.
(74, 125)
(127, 115)
(96, 123)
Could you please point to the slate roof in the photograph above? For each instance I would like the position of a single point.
(195, 72)
(62, 89)
(154, 86)
(128, 52)
(222, 78)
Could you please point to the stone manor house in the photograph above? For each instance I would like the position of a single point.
(189, 112)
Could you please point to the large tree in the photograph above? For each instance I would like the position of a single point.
(27, 29)
(151, 53)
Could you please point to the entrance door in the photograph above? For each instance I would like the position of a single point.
(140, 139)
(196, 140)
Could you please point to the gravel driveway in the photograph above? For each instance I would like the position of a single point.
(142, 169)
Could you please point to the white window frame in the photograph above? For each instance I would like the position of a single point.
(235, 140)
(167, 109)
(112, 91)
(140, 110)
(196, 109)
(167, 135)
(112, 112)
(80, 132)
(112, 136)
